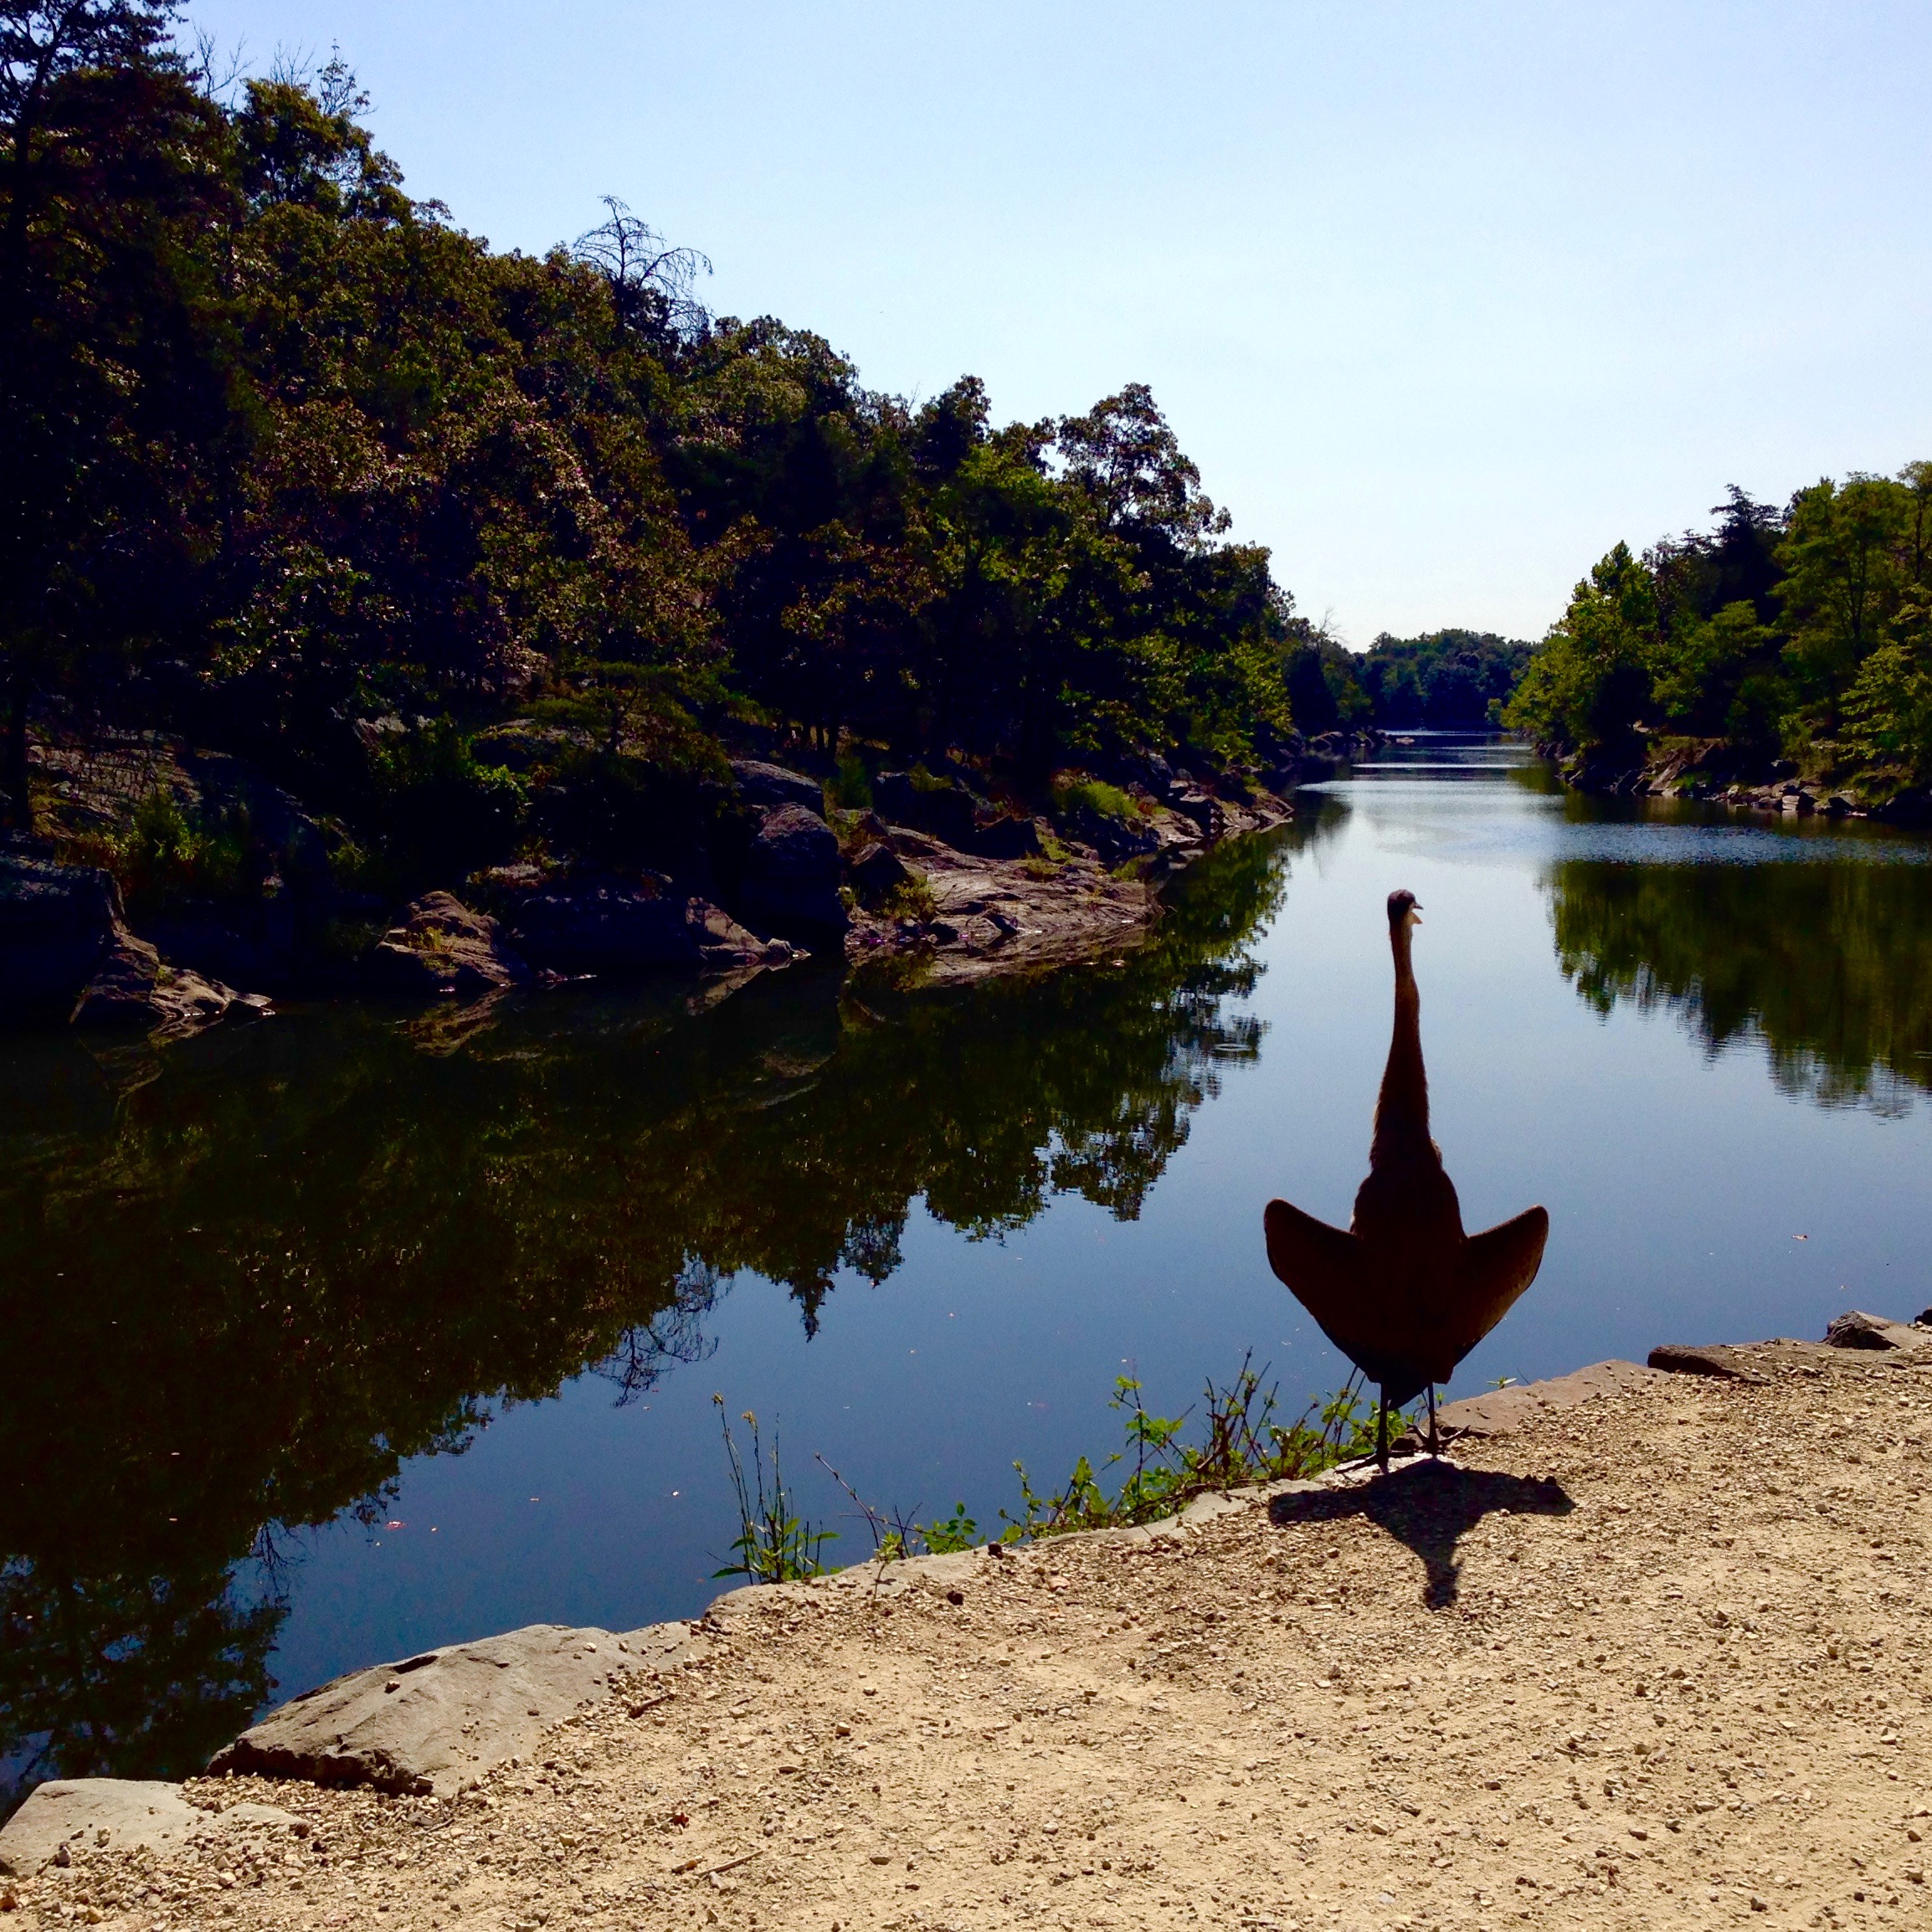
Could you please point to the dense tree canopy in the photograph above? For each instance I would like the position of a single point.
(1803, 636)
(1443, 680)
(289, 457)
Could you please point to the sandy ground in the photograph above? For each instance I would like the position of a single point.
(1659, 1660)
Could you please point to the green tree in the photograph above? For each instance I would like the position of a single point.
(1588, 684)
(1848, 557)
(116, 355)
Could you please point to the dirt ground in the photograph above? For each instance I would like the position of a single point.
(1659, 1660)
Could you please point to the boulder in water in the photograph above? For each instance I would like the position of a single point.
(441, 946)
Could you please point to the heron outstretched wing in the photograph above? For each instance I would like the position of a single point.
(1495, 1267)
(1322, 1266)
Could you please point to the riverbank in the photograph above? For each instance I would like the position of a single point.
(1707, 769)
(170, 878)
(1653, 1658)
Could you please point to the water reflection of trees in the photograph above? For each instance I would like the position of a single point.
(1824, 961)
(247, 1280)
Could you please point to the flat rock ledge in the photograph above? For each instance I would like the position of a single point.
(429, 1725)
(95, 1815)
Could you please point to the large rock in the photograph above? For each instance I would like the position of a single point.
(1116, 840)
(768, 785)
(1721, 1360)
(58, 924)
(435, 1723)
(877, 871)
(134, 987)
(1205, 810)
(1856, 1329)
(792, 876)
(1011, 836)
(619, 927)
(947, 810)
(68, 1821)
(441, 946)
(66, 954)
(121, 1814)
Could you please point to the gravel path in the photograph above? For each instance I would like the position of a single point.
(1657, 1660)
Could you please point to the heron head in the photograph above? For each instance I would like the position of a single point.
(1403, 912)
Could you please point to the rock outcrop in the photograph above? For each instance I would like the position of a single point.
(768, 785)
(57, 925)
(1720, 1359)
(1504, 1412)
(616, 927)
(792, 876)
(436, 1722)
(944, 809)
(1904, 1345)
(440, 946)
(66, 955)
(1856, 1329)
(993, 915)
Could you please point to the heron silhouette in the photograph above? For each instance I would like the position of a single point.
(1404, 1293)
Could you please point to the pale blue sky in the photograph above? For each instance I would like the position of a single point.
(1444, 299)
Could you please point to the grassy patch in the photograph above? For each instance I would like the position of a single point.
(1108, 801)
(910, 899)
(1161, 1471)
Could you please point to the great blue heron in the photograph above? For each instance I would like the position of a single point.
(1404, 1293)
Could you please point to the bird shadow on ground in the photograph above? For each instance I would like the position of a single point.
(1428, 1506)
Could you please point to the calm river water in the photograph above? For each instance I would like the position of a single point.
(443, 1303)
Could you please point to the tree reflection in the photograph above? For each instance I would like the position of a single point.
(1823, 961)
(247, 1280)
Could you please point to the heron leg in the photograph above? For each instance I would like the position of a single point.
(1382, 1431)
(1435, 1447)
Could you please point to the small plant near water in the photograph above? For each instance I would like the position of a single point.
(901, 1534)
(1245, 1444)
(1096, 795)
(774, 1545)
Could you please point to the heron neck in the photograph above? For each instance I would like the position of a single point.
(1402, 1112)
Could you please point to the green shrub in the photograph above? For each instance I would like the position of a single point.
(910, 899)
(438, 809)
(164, 854)
(851, 788)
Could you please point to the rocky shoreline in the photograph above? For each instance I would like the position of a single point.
(1648, 1643)
(1703, 771)
(935, 882)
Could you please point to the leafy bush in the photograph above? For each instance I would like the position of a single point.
(953, 1534)
(164, 854)
(850, 789)
(438, 809)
